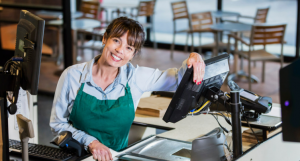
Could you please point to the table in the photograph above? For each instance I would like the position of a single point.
(76, 24)
(110, 4)
(266, 124)
(235, 28)
(232, 27)
(221, 14)
(200, 125)
(56, 14)
(119, 6)
(218, 15)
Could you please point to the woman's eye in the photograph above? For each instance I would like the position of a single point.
(116, 40)
(129, 48)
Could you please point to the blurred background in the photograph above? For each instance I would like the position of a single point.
(264, 29)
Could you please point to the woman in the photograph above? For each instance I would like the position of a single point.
(96, 100)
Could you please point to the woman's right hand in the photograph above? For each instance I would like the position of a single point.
(100, 152)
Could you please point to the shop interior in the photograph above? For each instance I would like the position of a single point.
(257, 42)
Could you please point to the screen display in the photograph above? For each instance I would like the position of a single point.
(21, 45)
(248, 95)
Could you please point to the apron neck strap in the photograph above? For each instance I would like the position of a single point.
(127, 88)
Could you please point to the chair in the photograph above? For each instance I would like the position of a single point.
(180, 11)
(91, 9)
(260, 17)
(200, 23)
(261, 35)
(146, 8)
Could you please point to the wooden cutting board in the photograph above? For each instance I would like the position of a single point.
(153, 106)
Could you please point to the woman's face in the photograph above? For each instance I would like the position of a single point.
(116, 51)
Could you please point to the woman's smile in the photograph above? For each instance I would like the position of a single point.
(115, 57)
(116, 51)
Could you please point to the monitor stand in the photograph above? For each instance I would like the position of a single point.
(26, 132)
(250, 116)
(6, 84)
(4, 142)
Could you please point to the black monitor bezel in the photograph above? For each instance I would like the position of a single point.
(186, 80)
(30, 66)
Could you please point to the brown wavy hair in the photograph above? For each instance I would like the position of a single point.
(118, 27)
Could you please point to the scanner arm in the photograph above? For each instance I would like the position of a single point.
(234, 105)
(65, 141)
(218, 97)
(249, 100)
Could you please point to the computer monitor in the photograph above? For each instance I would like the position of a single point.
(189, 95)
(289, 100)
(29, 41)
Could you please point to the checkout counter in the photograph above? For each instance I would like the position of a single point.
(145, 143)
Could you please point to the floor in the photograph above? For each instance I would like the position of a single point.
(148, 57)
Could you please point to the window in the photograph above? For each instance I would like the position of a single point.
(280, 12)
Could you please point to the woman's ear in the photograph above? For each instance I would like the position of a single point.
(104, 39)
(135, 52)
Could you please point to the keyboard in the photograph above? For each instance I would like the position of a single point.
(41, 152)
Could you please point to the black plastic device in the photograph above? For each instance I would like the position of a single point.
(290, 101)
(209, 146)
(22, 70)
(41, 152)
(29, 41)
(25, 65)
(250, 100)
(254, 104)
(189, 95)
(65, 141)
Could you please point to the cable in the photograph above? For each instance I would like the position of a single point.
(226, 118)
(200, 108)
(224, 104)
(227, 146)
(220, 124)
(15, 64)
(6, 64)
(252, 130)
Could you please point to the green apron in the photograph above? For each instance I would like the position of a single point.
(107, 120)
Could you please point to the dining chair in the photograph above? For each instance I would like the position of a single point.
(200, 23)
(146, 9)
(180, 11)
(261, 35)
(91, 10)
(260, 17)
(197, 22)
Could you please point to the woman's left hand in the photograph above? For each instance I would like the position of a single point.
(195, 60)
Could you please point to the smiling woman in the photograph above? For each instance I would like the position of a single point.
(134, 30)
(96, 100)
(123, 39)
